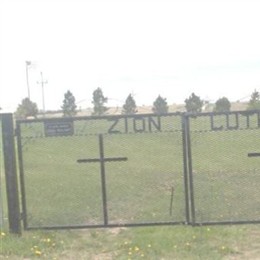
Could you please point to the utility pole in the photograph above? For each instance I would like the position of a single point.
(42, 84)
(27, 65)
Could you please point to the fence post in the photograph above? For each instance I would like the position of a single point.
(185, 167)
(11, 173)
(190, 171)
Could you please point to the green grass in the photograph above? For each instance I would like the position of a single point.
(135, 194)
(169, 242)
(225, 178)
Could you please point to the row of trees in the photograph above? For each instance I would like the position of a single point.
(193, 104)
(27, 108)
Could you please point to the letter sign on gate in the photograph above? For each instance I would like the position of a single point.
(60, 128)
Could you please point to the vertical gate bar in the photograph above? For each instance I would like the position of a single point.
(21, 171)
(11, 173)
(103, 179)
(190, 171)
(185, 166)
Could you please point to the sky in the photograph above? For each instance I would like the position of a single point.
(144, 48)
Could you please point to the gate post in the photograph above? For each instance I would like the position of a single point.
(11, 173)
(190, 170)
(185, 167)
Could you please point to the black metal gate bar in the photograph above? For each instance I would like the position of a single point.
(185, 168)
(190, 170)
(145, 224)
(11, 173)
(253, 154)
(102, 161)
(21, 171)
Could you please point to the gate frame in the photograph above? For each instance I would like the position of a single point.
(185, 175)
(188, 115)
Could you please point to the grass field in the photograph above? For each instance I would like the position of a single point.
(226, 180)
(138, 190)
(148, 187)
(151, 243)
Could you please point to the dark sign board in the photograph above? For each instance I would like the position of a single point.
(58, 128)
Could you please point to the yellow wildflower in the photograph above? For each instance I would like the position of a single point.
(38, 252)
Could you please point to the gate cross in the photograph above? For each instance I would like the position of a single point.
(253, 154)
(102, 161)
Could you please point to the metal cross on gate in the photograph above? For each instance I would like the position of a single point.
(253, 154)
(102, 161)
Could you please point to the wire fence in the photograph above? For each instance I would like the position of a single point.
(140, 170)
(1, 180)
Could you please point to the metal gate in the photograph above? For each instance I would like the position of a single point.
(224, 168)
(103, 171)
(140, 170)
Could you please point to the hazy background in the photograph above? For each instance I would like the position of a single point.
(141, 47)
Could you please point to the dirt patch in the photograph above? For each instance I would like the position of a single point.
(249, 248)
(116, 231)
(82, 255)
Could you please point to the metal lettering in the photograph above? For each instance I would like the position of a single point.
(213, 127)
(111, 129)
(140, 130)
(157, 124)
(228, 122)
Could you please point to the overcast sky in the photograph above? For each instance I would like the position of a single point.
(145, 48)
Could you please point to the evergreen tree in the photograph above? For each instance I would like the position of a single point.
(193, 104)
(222, 105)
(26, 109)
(69, 106)
(160, 106)
(98, 101)
(254, 102)
(129, 107)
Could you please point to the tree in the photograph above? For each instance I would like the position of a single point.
(254, 102)
(193, 104)
(69, 106)
(222, 105)
(160, 106)
(27, 108)
(98, 101)
(130, 106)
